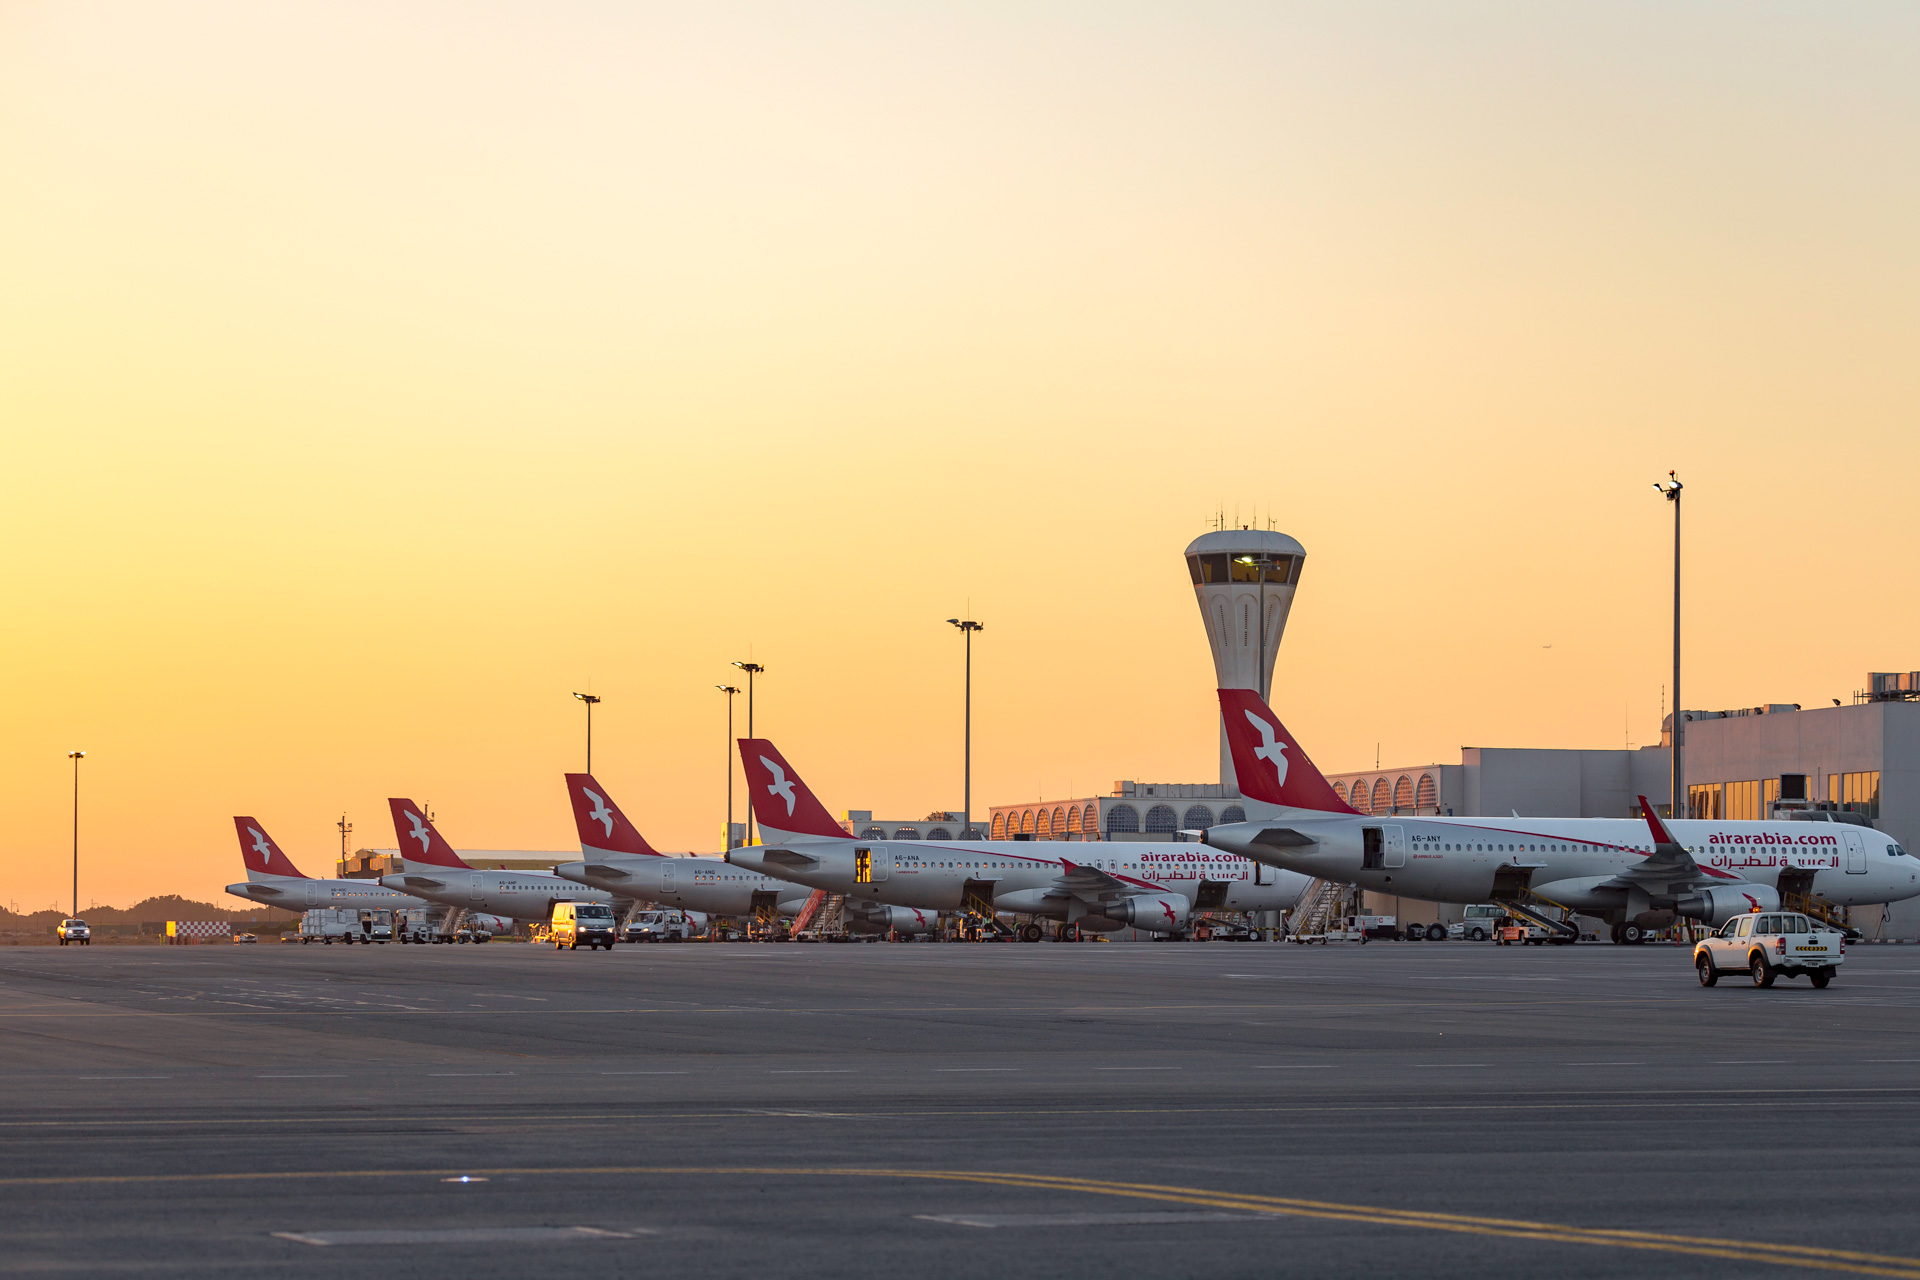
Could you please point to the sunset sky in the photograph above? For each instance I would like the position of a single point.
(372, 376)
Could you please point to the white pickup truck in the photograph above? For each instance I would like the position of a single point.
(1770, 945)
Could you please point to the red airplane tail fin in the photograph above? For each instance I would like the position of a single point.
(260, 855)
(781, 802)
(419, 841)
(599, 821)
(1267, 762)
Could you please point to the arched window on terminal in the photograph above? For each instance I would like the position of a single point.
(1197, 818)
(999, 826)
(1161, 821)
(1429, 797)
(1233, 813)
(1090, 822)
(1382, 797)
(939, 833)
(1122, 818)
(1403, 793)
(1059, 824)
(873, 833)
(906, 833)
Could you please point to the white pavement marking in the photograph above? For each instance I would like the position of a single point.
(992, 1220)
(449, 1074)
(461, 1235)
(646, 1073)
(951, 1070)
(1296, 1066)
(814, 1071)
(320, 1076)
(126, 1077)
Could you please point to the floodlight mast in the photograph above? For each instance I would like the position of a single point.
(591, 702)
(967, 627)
(752, 669)
(727, 840)
(1671, 487)
(76, 757)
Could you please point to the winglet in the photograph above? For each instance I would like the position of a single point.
(259, 854)
(419, 841)
(1267, 763)
(599, 821)
(782, 804)
(1660, 833)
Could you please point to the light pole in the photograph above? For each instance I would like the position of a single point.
(76, 757)
(967, 626)
(1671, 487)
(729, 690)
(752, 669)
(590, 700)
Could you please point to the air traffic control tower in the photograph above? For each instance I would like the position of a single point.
(1244, 580)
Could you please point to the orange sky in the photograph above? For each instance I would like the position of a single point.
(372, 376)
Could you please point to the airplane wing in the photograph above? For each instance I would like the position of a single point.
(1091, 885)
(1668, 863)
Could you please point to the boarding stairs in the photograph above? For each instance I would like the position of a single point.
(1820, 909)
(1315, 907)
(1531, 908)
(823, 913)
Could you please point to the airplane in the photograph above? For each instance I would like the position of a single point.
(1638, 874)
(273, 881)
(438, 873)
(1149, 886)
(618, 859)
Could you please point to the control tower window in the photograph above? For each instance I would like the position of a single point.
(1247, 568)
(1283, 569)
(1206, 569)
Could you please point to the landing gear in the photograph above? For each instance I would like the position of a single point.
(1632, 935)
(1030, 932)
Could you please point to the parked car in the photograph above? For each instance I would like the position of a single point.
(1480, 921)
(1770, 945)
(74, 930)
(244, 937)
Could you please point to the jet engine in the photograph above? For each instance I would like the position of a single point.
(1723, 902)
(1155, 912)
(878, 917)
(493, 926)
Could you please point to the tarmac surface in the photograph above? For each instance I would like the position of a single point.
(1217, 1109)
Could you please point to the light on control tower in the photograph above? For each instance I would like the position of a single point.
(1244, 580)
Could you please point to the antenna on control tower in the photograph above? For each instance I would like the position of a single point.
(1244, 580)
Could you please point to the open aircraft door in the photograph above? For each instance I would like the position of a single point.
(871, 864)
(1856, 852)
(1383, 846)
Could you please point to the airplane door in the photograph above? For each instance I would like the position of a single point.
(313, 893)
(871, 863)
(882, 862)
(667, 878)
(1262, 873)
(1856, 852)
(476, 889)
(1393, 846)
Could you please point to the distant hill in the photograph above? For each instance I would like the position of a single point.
(170, 907)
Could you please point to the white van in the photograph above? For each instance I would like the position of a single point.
(577, 924)
(1480, 922)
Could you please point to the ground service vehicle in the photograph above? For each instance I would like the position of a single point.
(582, 924)
(1770, 945)
(1638, 875)
(658, 926)
(73, 930)
(243, 938)
(331, 925)
(1481, 921)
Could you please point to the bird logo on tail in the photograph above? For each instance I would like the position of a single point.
(1271, 749)
(600, 813)
(260, 846)
(419, 831)
(780, 786)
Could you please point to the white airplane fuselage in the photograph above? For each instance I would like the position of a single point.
(1589, 864)
(518, 895)
(1024, 876)
(297, 893)
(706, 885)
